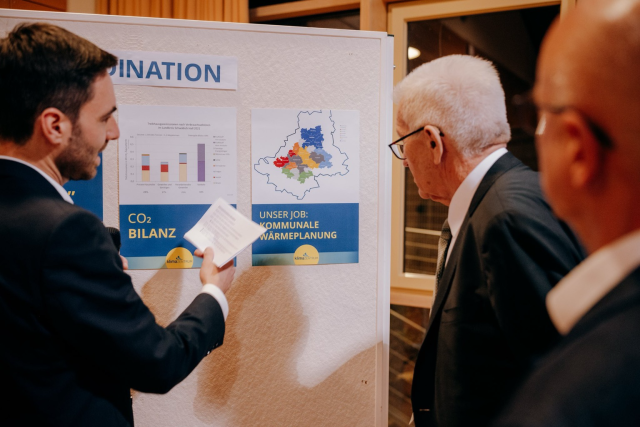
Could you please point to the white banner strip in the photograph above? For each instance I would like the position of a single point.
(174, 70)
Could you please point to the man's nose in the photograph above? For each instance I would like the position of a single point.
(113, 132)
(405, 163)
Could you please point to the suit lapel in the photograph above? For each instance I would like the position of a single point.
(502, 165)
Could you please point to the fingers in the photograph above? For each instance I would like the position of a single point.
(222, 277)
(201, 254)
(208, 270)
(207, 257)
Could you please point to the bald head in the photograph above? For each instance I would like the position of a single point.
(588, 139)
(591, 60)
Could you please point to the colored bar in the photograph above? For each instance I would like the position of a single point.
(200, 162)
(164, 171)
(146, 170)
(183, 166)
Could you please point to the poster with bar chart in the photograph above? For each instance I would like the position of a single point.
(174, 162)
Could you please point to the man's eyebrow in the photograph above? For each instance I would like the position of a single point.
(113, 110)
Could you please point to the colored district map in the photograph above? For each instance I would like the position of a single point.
(307, 154)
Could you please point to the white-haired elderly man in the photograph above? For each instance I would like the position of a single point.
(501, 248)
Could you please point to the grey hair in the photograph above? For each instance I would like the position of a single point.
(461, 95)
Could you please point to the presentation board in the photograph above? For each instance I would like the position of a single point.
(306, 343)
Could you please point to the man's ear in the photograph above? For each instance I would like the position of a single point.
(55, 126)
(583, 152)
(435, 143)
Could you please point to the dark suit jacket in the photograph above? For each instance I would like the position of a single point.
(75, 334)
(489, 321)
(593, 377)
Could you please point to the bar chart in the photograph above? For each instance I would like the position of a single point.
(183, 167)
(146, 172)
(176, 155)
(162, 161)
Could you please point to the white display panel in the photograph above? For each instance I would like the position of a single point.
(304, 345)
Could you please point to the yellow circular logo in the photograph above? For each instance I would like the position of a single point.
(179, 258)
(305, 255)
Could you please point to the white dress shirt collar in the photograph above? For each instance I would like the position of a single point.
(591, 280)
(59, 188)
(461, 199)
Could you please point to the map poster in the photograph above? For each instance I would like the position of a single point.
(88, 194)
(305, 186)
(174, 162)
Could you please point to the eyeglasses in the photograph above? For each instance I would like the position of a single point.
(398, 149)
(528, 117)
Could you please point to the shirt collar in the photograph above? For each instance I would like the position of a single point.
(461, 199)
(59, 188)
(591, 280)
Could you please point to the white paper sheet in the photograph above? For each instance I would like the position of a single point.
(226, 230)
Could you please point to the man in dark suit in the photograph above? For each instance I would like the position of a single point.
(501, 249)
(75, 334)
(588, 97)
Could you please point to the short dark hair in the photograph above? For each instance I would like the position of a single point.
(43, 66)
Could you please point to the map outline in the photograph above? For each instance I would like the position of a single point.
(284, 145)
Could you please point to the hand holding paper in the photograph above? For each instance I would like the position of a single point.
(210, 274)
(226, 230)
